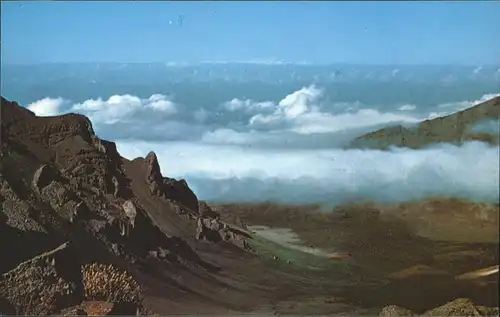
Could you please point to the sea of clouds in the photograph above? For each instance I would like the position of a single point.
(290, 150)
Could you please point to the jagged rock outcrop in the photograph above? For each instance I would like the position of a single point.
(59, 182)
(47, 184)
(154, 179)
(170, 188)
(214, 230)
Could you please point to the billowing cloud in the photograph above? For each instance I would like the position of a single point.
(305, 118)
(125, 116)
(125, 108)
(47, 107)
(300, 112)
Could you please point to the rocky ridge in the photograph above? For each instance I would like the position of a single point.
(454, 128)
(64, 189)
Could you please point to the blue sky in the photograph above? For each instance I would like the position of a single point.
(316, 32)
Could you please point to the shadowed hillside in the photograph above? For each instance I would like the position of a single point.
(455, 128)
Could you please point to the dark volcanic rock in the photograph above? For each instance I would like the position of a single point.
(214, 230)
(175, 190)
(154, 178)
(59, 182)
(179, 191)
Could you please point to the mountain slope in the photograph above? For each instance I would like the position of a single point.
(455, 128)
(83, 230)
(62, 185)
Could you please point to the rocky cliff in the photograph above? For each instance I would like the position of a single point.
(69, 200)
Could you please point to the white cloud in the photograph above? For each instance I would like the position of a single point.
(453, 107)
(407, 108)
(318, 122)
(461, 105)
(299, 102)
(433, 115)
(292, 106)
(47, 106)
(247, 105)
(125, 116)
(161, 103)
(124, 108)
(300, 112)
(230, 172)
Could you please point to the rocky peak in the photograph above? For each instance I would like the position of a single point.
(154, 178)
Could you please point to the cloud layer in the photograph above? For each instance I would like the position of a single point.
(233, 173)
(289, 149)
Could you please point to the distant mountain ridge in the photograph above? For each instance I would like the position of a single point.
(455, 128)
